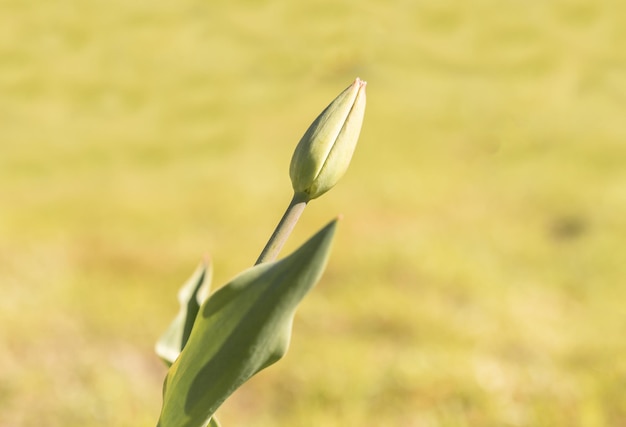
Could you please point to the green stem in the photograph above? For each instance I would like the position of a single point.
(284, 228)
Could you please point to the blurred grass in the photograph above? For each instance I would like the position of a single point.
(477, 278)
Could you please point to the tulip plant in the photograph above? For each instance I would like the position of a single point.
(218, 341)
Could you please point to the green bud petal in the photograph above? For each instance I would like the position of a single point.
(324, 152)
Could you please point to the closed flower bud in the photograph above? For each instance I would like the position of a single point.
(324, 152)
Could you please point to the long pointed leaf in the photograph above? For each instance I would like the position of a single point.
(242, 328)
(192, 294)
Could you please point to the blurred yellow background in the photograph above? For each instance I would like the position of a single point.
(478, 275)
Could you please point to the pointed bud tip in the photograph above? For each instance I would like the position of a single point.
(361, 83)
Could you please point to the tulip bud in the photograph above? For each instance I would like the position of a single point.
(324, 152)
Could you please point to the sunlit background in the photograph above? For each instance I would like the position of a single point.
(478, 274)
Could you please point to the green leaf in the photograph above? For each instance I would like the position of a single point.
(191, 296)
(242, 328)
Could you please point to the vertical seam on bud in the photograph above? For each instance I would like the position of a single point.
(361, 84)
(336, 135)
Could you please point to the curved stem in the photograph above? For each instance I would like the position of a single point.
(284, 228)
